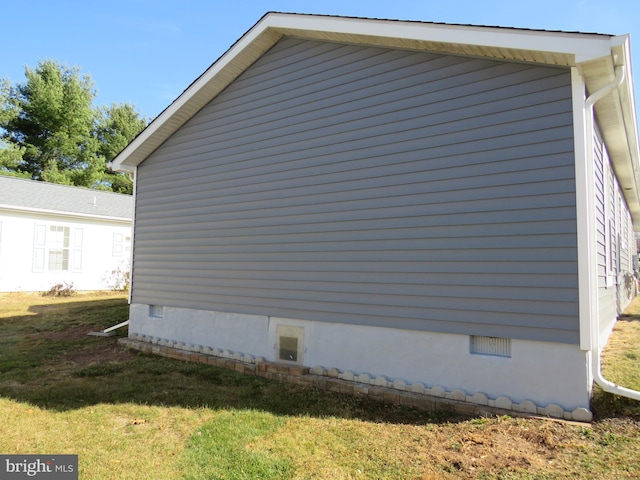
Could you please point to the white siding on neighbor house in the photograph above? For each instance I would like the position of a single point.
(615, 242)
(33, 257)
(360, 185)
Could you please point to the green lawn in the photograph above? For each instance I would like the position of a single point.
(133, 416)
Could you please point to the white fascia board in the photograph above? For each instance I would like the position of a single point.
(621, 48)
(630, 113)
(273, 26)
(120, 162)
(60, 213)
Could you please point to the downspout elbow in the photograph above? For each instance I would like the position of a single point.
(609, 386)
(620, 73)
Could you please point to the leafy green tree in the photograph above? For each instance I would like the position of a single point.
(10, 158)
(50, 130)
(118, 125)
(10, 154)
(54, 122)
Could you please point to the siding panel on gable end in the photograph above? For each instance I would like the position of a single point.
(362, 185)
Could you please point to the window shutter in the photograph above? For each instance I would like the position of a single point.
(76, 255)
(39, 246)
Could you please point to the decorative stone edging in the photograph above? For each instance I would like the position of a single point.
(397, 391)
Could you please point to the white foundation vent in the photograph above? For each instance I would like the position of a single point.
(156, 311)
(499, 347)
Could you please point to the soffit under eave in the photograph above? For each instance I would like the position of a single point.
(616, 120)
(499, 53)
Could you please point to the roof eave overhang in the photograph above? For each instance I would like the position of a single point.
(62, 213)
(617, 119)
(595, 55)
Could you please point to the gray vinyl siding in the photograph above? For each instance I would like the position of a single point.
(607, 303)
(614, 240)
(601, 176)
(370, 186)
(626, 279)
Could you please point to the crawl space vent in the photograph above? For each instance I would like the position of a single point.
(290, 343)
(500, 347)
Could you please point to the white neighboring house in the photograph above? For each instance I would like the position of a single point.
(51, 234)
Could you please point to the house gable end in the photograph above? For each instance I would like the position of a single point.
(358, 184)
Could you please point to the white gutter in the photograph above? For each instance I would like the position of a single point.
(596, 364)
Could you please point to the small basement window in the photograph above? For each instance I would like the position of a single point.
(496, 346)
(290, 346)
(156, 311)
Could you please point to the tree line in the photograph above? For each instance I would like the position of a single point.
(51, 131)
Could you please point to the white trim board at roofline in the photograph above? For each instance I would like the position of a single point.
(595, 55)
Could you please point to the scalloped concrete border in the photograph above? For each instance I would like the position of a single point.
(397, 391)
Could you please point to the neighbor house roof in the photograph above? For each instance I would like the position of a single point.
(20, 194)
(595, 55)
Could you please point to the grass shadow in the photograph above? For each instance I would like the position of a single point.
(627, 317)
(621, 365)
(48, 360)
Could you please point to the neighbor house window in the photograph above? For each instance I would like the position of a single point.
(121, 245)
(57, 248)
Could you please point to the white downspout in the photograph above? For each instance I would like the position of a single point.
(596, 364)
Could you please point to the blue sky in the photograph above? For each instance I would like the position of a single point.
(146, 52)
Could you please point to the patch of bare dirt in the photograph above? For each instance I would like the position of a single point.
(499, 449)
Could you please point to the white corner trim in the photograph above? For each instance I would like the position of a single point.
(134, 180)
(586, 241)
